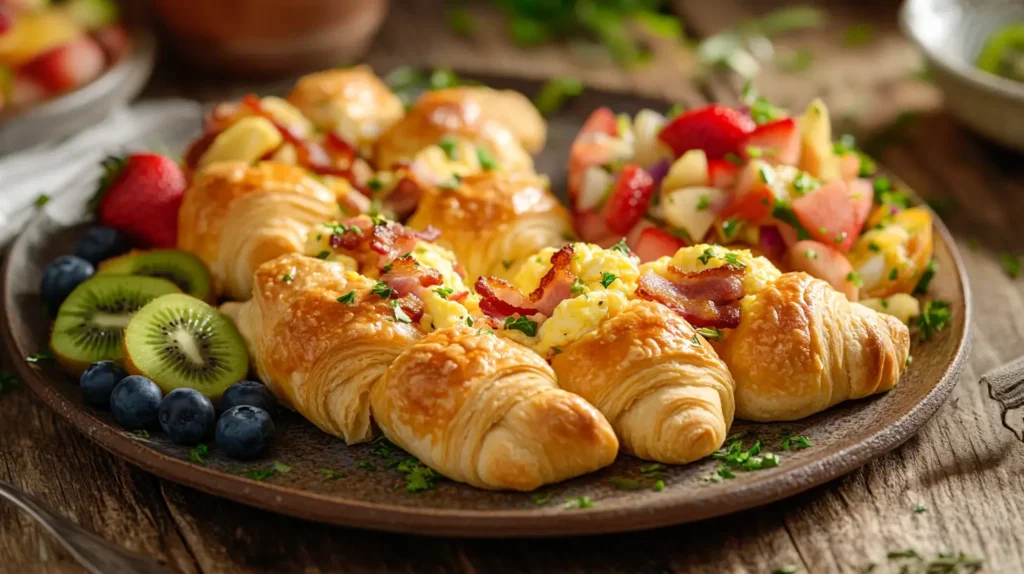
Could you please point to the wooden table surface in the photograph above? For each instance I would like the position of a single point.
(963, 468)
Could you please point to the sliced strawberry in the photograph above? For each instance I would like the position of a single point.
(655, 243)
(722, 173)
(862, 193)
(752, 206)
(629, 199)
(66, 66)
(113, 39)
(829, 215)
(717, 130)
(825, 263)
(588, 150)
(777, 142)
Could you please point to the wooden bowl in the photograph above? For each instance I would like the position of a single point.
(269, 37)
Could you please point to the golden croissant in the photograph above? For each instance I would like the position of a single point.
(802, 347)
(492, 221)
(235, 217)
(487, 411)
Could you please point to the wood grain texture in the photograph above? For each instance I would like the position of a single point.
(963, 467)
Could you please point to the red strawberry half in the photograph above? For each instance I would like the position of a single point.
(717, 130)
(140, 195)
(655, 243)
(629, 200)
(777, 142)
(66, 66)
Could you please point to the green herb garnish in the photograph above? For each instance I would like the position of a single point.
(540, 499)
(706, 255)
(934, 318)
(555, 92)
(524, 324)
(444, 292)
(382, 290)
(198, 453)
(450, 146)
(366, 465)
(486, 160)
(710, 333)
(331, 474)
(797, 442)
(41, 200)
(926, 277)
(854, 278)
(624, 483)
(347, 298)
(607, 279)
(733, 259)
(579, 503)
(1011, 264)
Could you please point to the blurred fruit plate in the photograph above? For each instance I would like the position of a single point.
(311, 475)
(56, 118)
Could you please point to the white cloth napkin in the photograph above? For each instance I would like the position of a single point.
(164, 126)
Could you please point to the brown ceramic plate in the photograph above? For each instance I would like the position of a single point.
(374, 495)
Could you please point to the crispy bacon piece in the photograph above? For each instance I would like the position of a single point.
(501, 299)
(412, 306)
(407, 277)
(378, 244)
(709, 298)
(458, 297)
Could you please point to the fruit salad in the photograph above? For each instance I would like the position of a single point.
(756, 177)
(48, 48)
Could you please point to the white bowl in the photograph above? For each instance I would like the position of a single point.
(952, 33)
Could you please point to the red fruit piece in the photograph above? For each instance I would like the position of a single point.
(655, 243)
(862, 193)
(113, 39)
(6, 20)
(590, 227)
(140, 195)
(752, 206)
(825, 263)
(717, 130)
(67, 66)
(829, 215)
(777, 142)
(722, 173)
(588, 150)
(629, 200)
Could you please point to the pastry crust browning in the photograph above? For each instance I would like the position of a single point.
(662, 386)
(487, 411)
(802, 347)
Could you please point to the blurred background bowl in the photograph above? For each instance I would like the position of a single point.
(952, 33)
(270, 37)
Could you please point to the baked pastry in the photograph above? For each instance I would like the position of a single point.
(493, 221)
(503, 124)
(802, 347)
(235, 217)
(660, 384)
(352, 102)
(320, 338)
(487, 411)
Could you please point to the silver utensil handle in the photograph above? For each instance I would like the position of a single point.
(94, 553)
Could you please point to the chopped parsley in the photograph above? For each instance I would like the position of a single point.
(382, 290)
(845, 144)
(785, 214)
(418, 476)
(444, 292)
(400, 315)
(348, 298)
(790, 569)
(650, 469)
(874, 247)
(804, 183)
(733, 259)
(934, 318)
(555, 92)
(287, 278)
(919, 508)
(710, 333)
(198, 453)
(340, 228)
(703, 203)
(733, 159)
(450, 146)
(323, 254)
(331, 474)
(41, 200)
(730, 227)
(451, 183)
(926, 278)
(375, 184)
(893, 274)
(854, 278)
(556, 350)
(540, 499)
(839, 238)
(944, 563)
(367, 465)
(258, 474)
(764, 173)
(141, 433)
(577, 287)
(706, 255)
(624, 483)
(1011, 264)
(469, 321)
(810, 254)
(659, 485)
(281, 467)
(621, 247)
(753, 151)
(607, 279)
(40, 357)
(524, 324)
(724, 472)
(487, 161)
(579, 503)
(735, 457)
(797, 442)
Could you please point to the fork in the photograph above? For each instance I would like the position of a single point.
(94, 553)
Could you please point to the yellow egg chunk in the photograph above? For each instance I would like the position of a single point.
(590, 264)
(318, 244)
(572, 319)
(247, 140)
(457, 158)
(902, 306)
(758, 271)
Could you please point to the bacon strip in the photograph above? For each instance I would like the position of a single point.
(709, 298)
(379, 244)
(407, 277)
(412, 306)
(500, 299)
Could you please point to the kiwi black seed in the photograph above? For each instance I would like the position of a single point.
(179, 267)
(91, 321)
(179, 341)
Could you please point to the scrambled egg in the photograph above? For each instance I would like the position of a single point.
(449, 157)
(438, 311)
(758, 271)
(901, 305)
(318, 244)
(571, 320)
(590, 263)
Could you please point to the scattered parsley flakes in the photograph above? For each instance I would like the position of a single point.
(854, 278)
(790, 569)
(650, 469)
(797, 442)
(706, 255)
(874, 247)
(382, 290)
(724, 472)
(469, 321)
(40, 357)
(810, 254)
(607, 279)
(41, 200)
(919, 508)
(906, 553)
(400, 314)
(281, 467)
(1011, 264)
(945, 562)
(418, 476)
(444, 292)
(659, 485)
(523, 324)
(926, 278)
(323, 254)
(710, 333)
(621, 247)
(337, 228)
(450, 146)
(804, 183)
(893, 274)
(347, 298)
(331, 474)
(555, 92)
(258, 474)
(934, 318)
(198, 453)
(703, 203)
(367, 465)
(486, 160)
(287, 278)
(375, 184)
(733, 259)
(141, 433)
(577, 287)
(695, 341)
(733, 159)
(556, 350)
(579, 503)
(540, 499)
(730, 227)
(734, 456)
(624, 483)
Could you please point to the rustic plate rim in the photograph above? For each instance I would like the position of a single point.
(671, 508)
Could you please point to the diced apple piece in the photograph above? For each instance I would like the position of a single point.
(247, 140)
(817, 155)
(690, 170)
(597, 182)
(689, 209)
(648, 149)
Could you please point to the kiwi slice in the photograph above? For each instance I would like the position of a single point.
(91, 321)
(179, 341)
(179, 267)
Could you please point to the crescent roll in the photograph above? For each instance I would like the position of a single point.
(319, 337)
(352, 102)
(487, 411)
(493, 221)
(802, 347)
(235, 217)
(662, 386)
(503, 124)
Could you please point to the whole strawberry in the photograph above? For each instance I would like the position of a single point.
(139, 195)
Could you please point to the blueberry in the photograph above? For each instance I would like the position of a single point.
(101, 243)
(98, 381)
(243, 432)
(61, 277)
(187, 416)
(250, 393)
(135, 403)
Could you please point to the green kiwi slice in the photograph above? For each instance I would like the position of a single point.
(179, 267)
(179, 341)
(91, 321)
